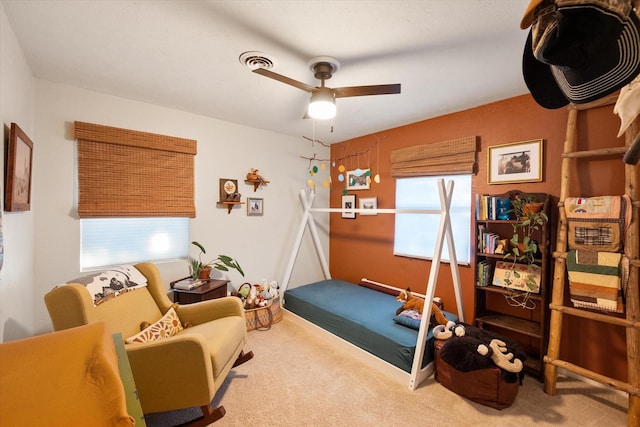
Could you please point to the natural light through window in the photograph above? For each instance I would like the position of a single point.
(415, 234)
(112, 241)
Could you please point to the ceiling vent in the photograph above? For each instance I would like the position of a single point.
(254, 60)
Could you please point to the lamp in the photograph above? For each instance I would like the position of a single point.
(323, 104)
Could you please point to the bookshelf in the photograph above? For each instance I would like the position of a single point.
(511, 311)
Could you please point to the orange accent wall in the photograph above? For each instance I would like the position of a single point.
(363, 247)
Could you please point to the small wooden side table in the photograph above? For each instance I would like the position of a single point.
(211, 289)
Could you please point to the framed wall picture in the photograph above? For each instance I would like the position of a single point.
(348, 202)
(515, 162)
(255, 207)
(18, 173)
(367, 203)
(229, 190)
(359, 179)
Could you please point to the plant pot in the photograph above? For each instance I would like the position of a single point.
(205, 273)
(532, 207)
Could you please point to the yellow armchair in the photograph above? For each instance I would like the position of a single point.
(180, 371)
(68, 378)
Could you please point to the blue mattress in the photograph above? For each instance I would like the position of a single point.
(362, 316)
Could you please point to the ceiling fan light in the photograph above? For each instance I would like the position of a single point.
(322, 105)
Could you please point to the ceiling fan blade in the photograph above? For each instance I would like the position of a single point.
(284, 79)
(343, 92)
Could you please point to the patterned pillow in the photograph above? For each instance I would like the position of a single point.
(409, 318)
(166, 327)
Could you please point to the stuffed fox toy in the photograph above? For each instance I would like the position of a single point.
(412, 302)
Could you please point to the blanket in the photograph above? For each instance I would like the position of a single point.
(595, 280)
(597, 223)
(104, 285)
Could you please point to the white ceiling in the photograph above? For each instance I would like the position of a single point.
(449, 55)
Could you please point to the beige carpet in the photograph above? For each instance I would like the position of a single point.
(301, 378)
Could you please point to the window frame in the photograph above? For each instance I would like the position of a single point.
(459, 203)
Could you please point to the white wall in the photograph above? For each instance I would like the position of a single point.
(46, 239)
(17, 289)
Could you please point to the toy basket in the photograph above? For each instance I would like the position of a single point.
(262, 318)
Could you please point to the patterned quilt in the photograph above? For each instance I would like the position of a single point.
(108, 284)
(595, 280)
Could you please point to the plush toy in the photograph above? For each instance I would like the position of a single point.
(446, 331)
(269, 290)
(412, 302)
(244, 291)
(409, 301)
(470, 348)
(252, 300)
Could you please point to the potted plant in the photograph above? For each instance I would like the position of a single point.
(529, 217)
(202, 270)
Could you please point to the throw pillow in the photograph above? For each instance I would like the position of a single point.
(167, 326)
(409, 318)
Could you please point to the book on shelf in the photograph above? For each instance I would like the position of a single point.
(517, 276)
(490, 208)
(484, 273)
(485, 207)
(187, 284)
(487, 241)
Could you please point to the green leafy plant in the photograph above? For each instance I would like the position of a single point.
(222, 262)
(527, 221)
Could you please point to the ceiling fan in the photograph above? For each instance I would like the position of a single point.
(322, 104)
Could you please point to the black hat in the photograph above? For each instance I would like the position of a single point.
(580, 50)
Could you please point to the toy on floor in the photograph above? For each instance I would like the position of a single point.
(470, 348)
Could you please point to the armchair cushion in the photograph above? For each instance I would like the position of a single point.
(219, 335)
(167, 326)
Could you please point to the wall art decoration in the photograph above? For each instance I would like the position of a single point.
(18, 173)
(359, 179)
(349, 202)
(229, 190)
(255, 207)
(515, 162)
(368, 203)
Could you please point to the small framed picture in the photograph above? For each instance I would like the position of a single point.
(359, 179)
(18, 173)
(229, 190)
(515, 162)
(348, 202)
(368, 203)
(255, 207)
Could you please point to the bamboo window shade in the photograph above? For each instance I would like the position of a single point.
(127, 173)
(456, 156)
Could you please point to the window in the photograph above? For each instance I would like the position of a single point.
(112, 241)
(135, 195)
(415, 233)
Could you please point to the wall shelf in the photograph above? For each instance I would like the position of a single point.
(256, 183)
(230, 205)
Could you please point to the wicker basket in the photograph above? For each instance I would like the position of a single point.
(263, 317)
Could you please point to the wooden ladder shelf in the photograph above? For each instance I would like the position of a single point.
(558, 310)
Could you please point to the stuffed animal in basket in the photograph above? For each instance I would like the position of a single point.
(412, 302)
(269, 290)
(470, 348)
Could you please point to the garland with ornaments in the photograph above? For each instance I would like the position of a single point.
(318, 165)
